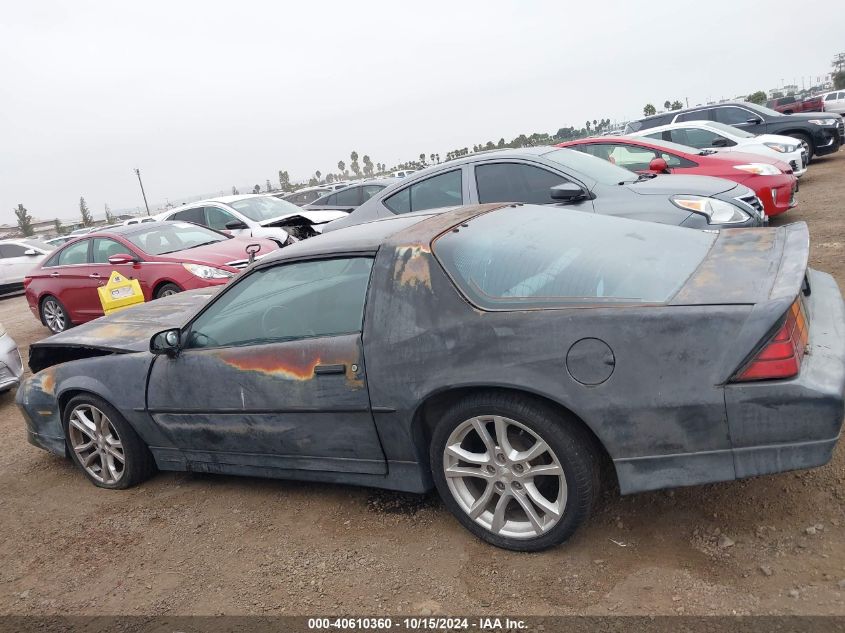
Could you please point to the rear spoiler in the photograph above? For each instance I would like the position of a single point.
(791, 277)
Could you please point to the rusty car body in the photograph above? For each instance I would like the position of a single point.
(505, 383)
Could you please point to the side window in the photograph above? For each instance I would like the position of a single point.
(286, 302)
(677, 161)
(831, 97)
(515, 182)
(443, 190)
(195, 215)
(698, 138)
(696, 115)
(631, 157)
(731, 115)
(102, 249)
(349, 197)
(76, 253)
(216, 218)
(369, 191)
(12, 250)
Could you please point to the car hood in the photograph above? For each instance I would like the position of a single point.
(129, 330)
(805, 116)
(220, 253)
(667, 185)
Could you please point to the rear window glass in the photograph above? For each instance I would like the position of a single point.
(531, 256)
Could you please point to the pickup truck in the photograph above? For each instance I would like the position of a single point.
(791, 104)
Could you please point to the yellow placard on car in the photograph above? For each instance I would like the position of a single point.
(120, 293)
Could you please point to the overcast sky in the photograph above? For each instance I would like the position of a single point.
(205, 95)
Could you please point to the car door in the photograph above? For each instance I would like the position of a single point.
(73, 283)
(15, 263)
(741, 118)
(100, 269)
(272, 373)
(217, 218)
(516, 181)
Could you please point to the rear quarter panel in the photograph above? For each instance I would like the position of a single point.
(664, 397)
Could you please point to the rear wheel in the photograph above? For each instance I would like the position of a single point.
(54, 315)
(514, 472)
(103, 444)
(166, 290)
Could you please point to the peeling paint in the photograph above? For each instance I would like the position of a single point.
(412, 267)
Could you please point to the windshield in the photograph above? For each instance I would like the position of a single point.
(529, 256)
(729, 129)
(595, 168)
(762, 109)
(263, 208)
(169, 237)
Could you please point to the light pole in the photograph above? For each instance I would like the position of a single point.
(138, 173)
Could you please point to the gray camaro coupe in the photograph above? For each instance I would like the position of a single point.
(500, 353)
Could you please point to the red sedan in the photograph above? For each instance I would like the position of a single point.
(772, 180)
(165, 257)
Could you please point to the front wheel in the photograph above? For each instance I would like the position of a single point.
(514, 472)
(806, 144)
(167, 290)
(103, 445)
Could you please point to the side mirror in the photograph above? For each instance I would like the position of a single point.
(719, 142)
(658, 165)
(168, 342)
(234, 225)
(122, 258)
(31, 251)
(754, 120)
(567, 192)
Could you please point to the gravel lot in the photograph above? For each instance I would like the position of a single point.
(202, 544)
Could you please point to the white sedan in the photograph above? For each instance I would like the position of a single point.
(17, 258)
(726, 138)
(254, 215)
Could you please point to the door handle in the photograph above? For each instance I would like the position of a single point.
(94, 275)
(54, 274)
(329, 369)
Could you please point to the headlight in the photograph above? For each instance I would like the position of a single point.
(717, 211)
(783, 148)
(761, 169)
(208, 272)
(824, 121)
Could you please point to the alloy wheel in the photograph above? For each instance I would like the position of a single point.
(168, 292)
(505, 477)
(96, 443)
(54, 316)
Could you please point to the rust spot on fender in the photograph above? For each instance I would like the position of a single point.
(411, 266)
(45, 381)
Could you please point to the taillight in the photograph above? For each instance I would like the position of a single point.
(781, 356)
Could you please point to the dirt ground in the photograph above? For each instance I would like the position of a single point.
(202, 544)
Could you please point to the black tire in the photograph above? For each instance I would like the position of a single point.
(807, 142)
(570, 444)
(51, 307)
(167, 289)
(138, 465)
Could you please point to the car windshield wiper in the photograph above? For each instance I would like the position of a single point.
(201, 244)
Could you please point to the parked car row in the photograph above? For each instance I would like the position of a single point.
(818, 133)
